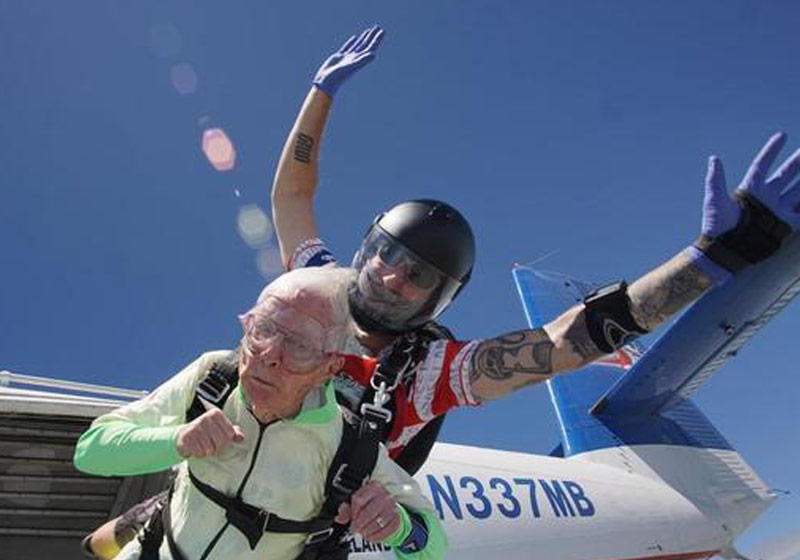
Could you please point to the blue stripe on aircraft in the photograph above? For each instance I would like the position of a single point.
(683, 424)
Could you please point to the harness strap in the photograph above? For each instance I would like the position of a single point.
(152, 534)
(403, 357)
(166, 520)
(351, 466)
(353, 463)
(253, 522)
(216, 386)
(358, 451)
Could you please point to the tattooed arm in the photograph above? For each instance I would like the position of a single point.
(518, 359)
(658, 295)
(298, 169)
(734, 235)
(297, 175)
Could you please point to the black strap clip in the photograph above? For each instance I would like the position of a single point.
(344, 481)
(213, 389)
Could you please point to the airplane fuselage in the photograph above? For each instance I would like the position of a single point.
(514, 505)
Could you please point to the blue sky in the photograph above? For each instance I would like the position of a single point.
(579, 128)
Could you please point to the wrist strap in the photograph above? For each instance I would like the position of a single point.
(608, 317)
(757, 236)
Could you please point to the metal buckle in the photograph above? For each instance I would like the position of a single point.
(337, 480)
(265, 514)
(211, 394)
(314, 538)
(372, 411)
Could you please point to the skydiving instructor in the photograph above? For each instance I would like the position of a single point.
(418, 256)
(412, 301)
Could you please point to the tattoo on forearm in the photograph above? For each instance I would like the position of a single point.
(302, 148)
(517, 353)
(666, 290)
(581, 341)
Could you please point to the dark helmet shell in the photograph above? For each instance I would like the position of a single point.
(436, 234)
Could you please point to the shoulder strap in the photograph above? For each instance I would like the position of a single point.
(402, 358)
(436, 331)
(217, 385)
(415, 452)
(408, 350)
(352, 465)
(361, 436)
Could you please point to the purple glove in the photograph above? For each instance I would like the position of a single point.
(355, 53)
(776, 193)
(722, 213)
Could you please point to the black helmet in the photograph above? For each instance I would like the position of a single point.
(434, 245)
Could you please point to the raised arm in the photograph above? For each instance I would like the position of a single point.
(297, 174)
(737, 232)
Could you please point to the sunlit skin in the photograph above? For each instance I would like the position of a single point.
(273, 385)
(273, 391)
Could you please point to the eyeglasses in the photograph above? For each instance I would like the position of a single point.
(300, 355)
(420, 274)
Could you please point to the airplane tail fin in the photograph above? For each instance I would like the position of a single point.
(631, 409)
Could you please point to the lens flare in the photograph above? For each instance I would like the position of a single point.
(269, 263)
(254, 226)
(219, 149)
(183, 78)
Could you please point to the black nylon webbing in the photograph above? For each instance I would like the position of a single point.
(217, 385)
(166, 517)
(757, 236)
(253, 522)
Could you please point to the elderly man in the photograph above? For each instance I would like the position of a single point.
(269, 447)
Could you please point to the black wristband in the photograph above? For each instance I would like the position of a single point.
(608, 317)
(757, 236)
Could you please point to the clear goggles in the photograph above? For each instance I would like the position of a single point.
(418, 292)
(301, 336)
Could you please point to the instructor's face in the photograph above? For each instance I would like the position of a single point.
(398, 279)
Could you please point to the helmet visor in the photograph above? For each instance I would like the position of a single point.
(395, 287)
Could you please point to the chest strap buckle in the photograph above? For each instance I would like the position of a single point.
(319, 536)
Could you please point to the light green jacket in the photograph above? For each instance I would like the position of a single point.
(287, 478)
